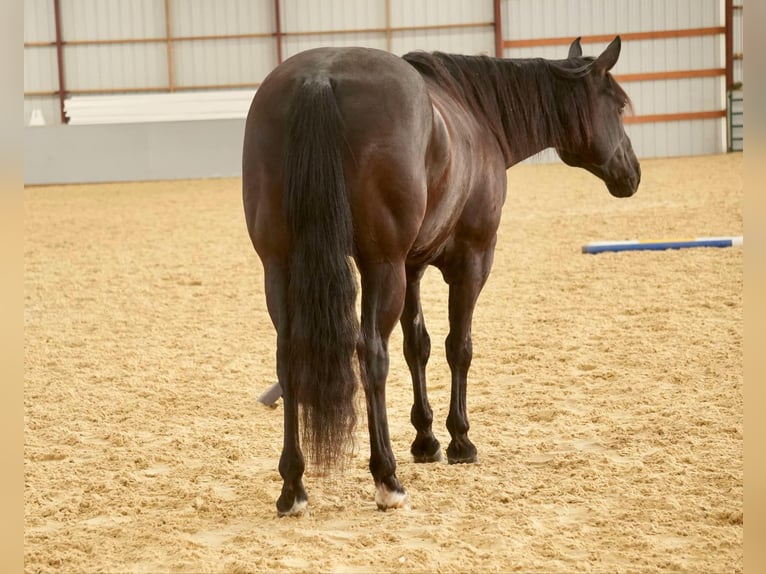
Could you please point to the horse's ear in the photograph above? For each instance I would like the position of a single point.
(575, 49)
(608, 57)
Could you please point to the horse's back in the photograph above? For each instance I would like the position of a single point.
(386, 121)
(377, 93)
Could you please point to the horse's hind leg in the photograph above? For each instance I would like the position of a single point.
(383, 287)
(466, 271)
(417, 349)
(293, 499)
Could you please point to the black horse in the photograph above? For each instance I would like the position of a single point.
(358, 156)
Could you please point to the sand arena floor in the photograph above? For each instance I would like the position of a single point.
(605, 395)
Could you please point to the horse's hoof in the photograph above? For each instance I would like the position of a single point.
(425, 448)
(386, 498)
(463, 460)
(462, 452)
(300, 507)
(425, 458)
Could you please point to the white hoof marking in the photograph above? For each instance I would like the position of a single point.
(299, 507)
(386, 499)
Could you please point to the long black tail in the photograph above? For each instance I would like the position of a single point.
(322, 287)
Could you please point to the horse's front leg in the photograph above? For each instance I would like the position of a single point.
(382, 299)
(466, 275)
(417, 349)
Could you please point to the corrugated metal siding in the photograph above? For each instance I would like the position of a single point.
(112, 67)
(312, 16)
(40, 67)
(40, 70)
(471, 40)
(39, 25)
(294, 44)
(474, 40)
(47, 106)
(678, 138)
(299, 18)
(223, 62)
(200, 62)
(558, 18)
(370, 20)
(738, 41)
(111, 19)
(440, 12)
(684, 95)
(221, 17)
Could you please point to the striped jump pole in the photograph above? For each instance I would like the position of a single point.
(657, 245)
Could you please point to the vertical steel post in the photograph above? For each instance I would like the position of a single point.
(498, 29)
(729, 44)
(60, 58)
(278, 30)
(169, 44)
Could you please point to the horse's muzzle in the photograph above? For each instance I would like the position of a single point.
(623, 189)
(626, 186)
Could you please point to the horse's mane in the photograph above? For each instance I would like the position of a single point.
(534, 99)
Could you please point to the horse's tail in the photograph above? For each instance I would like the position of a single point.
(323, 326)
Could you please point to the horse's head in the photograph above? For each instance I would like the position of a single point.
(606, 151)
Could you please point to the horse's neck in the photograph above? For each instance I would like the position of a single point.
(532, 121)
(522, 148)
(521, 103)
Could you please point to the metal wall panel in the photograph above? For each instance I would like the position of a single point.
(221, 17)
(112, 19)
(223, 62)
(40, 66)
(479, 39)
(527, 19)
(45, 106)
(115, 66)
(303, 16)
(678, 96)
(168, 150)
(312, 16)
(40, 69)
(475, 40)
(440, 12)
(738, 41)
(637, 56)
(678, 138)
(197, 62)
(298, 43)
(39, 24)
(365, 21)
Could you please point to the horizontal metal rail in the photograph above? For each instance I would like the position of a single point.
(626, 37)
(257, 35)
